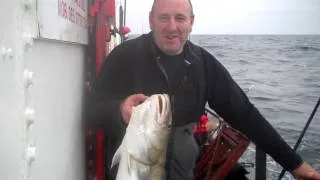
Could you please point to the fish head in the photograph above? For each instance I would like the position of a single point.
(148, 129)
(160, 112)
(159, 126)
(164, 116)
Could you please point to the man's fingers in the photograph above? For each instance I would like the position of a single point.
(129, 102)
(139, 98)
(316, 176)
(306, 171)
(128, 114)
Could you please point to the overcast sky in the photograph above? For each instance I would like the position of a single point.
(239, 16)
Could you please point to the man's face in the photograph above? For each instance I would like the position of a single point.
(171, 22)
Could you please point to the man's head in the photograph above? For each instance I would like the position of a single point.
(171, 22)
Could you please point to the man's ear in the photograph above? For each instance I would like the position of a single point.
(191, 21)
(151, 20)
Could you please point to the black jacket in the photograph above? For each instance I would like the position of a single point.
(133, 67)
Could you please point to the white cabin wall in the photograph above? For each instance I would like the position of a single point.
(47, 142)
(12, 124)
(57, 95)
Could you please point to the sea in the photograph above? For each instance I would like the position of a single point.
(281, 76)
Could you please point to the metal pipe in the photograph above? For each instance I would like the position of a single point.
(121, 22)
(261, 165)
(125, 13)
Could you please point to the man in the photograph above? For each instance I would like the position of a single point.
(163, 61)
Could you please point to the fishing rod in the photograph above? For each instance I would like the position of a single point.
(302, 134)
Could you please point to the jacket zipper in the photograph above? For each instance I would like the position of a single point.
(184, 79)
(172, 101)
(164, 72)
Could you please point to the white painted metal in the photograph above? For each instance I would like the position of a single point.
(63, 20)
(12, 101)
(41, 94)
(57, 91)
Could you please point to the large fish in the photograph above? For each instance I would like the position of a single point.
(142, 153)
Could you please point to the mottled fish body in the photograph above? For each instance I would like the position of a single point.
(142, 153)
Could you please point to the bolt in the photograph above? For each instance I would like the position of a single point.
(30, 153)
(30, 157)
(29, 113)
(28, 40)
(3, 52)
(28, 75)
(9, 52)
(6, 52)
(27, 4)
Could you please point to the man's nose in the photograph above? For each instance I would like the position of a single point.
(172, 24)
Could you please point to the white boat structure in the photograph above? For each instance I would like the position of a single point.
(50, 51)
(43, 59)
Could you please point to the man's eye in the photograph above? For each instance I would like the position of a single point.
(180, 18)
(164, 18)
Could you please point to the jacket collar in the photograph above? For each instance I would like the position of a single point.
(188, 53)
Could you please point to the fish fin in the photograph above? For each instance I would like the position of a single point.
(132, 170)
(116, 157)
(129, 164)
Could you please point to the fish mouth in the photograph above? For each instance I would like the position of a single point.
(160, 104)
(164, 110)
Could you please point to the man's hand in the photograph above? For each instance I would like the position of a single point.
(128, 103)
(306, 172)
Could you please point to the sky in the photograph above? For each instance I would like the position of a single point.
(239, 16)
